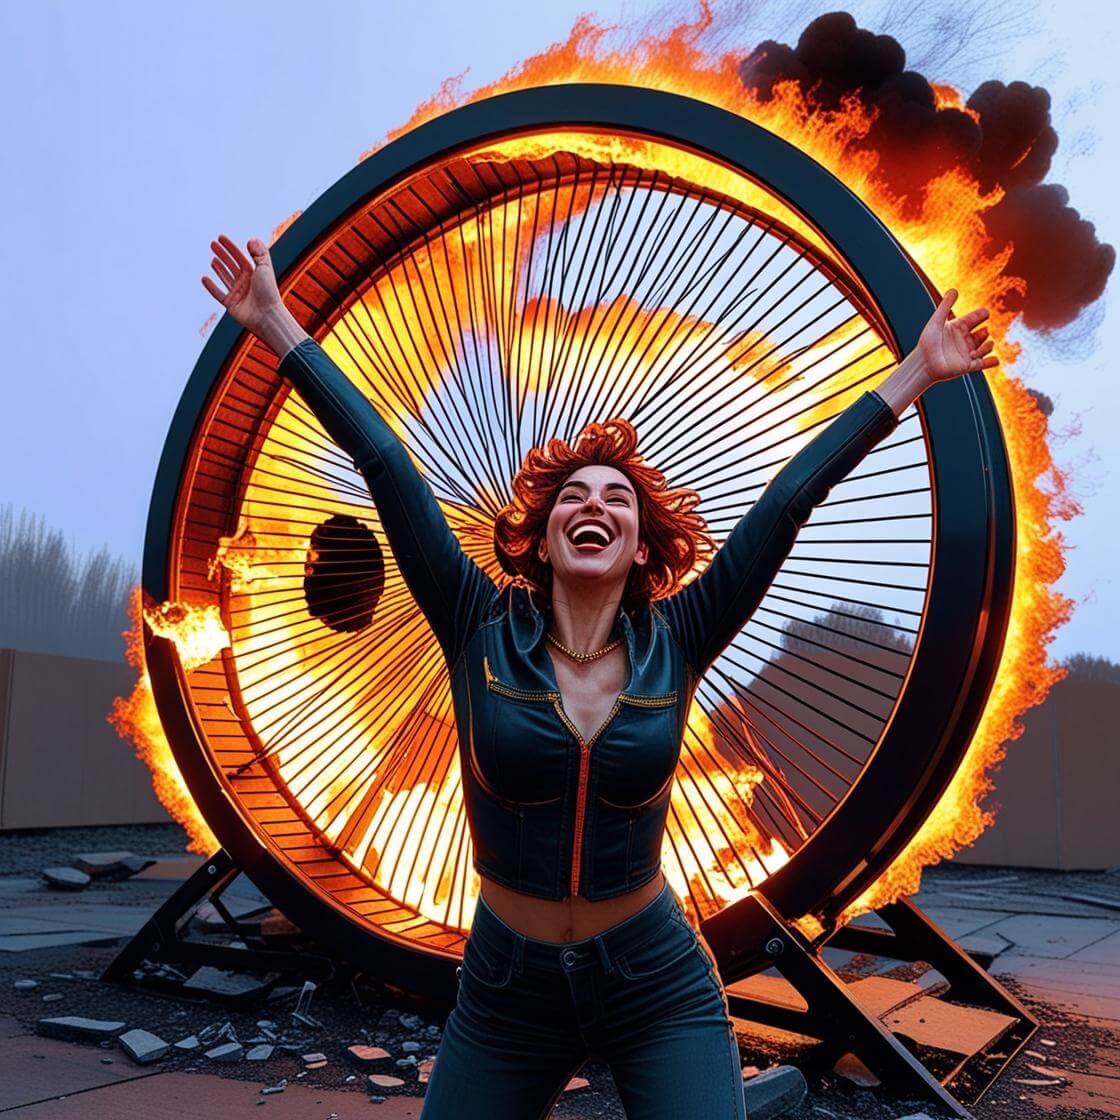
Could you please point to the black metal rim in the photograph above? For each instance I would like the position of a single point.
(968, 600)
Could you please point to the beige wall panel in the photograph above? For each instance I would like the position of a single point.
(61, 762)
(1059, 786)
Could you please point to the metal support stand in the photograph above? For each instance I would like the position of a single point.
(160, 939)
(833, 1015)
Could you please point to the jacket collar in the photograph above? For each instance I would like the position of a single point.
(528, 620)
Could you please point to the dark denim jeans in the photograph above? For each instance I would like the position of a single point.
(642, 996)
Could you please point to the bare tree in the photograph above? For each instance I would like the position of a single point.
(52, 600)
(845, 628)
(1086, 667)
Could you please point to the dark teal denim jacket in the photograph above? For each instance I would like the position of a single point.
(550, 814)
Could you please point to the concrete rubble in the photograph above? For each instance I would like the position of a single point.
(75, 1028)
(226, 1052)
(111, 865)
(143, 1046)
(66, 878)
(775, 1092)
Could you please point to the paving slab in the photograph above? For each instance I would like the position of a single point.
(187, 1096)
(879, 994)
(1039, 935)
(33, 1069)
(26, 942)
(15, 886)
(1105, 951)
(984, 944)
(174, 868)
(1024, 902)
(1081, 986)
(961, 921)
(121, 920)
(948, 1026)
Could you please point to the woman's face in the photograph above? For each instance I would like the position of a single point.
(592, 531)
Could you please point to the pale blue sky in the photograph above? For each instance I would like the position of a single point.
(134, 132)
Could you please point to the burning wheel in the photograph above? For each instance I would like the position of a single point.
(504, 273)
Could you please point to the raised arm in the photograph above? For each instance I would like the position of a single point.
(707, 614)
(449, 587)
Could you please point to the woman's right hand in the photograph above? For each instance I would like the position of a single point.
(252, 296)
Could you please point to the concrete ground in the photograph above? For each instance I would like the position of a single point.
(1055, 939)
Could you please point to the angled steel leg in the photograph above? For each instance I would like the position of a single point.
(831, 1013)
(159, 939)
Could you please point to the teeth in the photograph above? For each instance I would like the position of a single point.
(591, 534)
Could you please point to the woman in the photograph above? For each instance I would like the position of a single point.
(571, 688)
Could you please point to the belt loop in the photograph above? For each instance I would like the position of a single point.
(518, 955)
(604, 956)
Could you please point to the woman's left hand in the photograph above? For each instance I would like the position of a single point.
(950, 347)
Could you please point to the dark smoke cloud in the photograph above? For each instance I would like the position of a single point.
(1045, 404)
(1056, 251)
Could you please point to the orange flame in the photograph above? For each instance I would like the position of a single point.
(945, 235)
(137, 721)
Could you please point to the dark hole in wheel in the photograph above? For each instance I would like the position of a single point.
(344, 574)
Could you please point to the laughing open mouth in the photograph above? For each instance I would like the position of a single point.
(590, 537)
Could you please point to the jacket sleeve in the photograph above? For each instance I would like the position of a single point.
(449, 587)
(707, 613)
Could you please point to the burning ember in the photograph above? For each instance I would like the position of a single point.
(956, 180)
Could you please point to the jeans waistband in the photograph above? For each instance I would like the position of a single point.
(606, 946)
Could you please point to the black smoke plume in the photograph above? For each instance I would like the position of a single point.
(1056, 251)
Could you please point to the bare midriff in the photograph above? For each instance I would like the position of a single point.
(565, 919)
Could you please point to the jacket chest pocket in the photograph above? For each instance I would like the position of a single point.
(520, 746)
(636, 761)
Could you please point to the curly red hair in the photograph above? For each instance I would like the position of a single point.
(675, 535)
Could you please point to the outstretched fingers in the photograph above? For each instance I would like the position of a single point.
(231, 248)
(226, 257)
(223, 272)
(977, 315)
(214, 290)
(941, 311)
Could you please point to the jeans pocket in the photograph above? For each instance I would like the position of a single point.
(657, 952)
(486, 963)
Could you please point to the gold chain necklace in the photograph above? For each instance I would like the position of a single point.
(582, 658)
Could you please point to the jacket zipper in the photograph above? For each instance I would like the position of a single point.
(584, 747)
(585, 766)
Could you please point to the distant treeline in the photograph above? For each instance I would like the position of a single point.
(54, 601)
(1086, 667)
(855, 629)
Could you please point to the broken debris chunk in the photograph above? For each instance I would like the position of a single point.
(231, 987)
(111, 866)
(143, 1046)
(66, 878)
(366, 1055)
(775, 1092)
(227, 1052)
(74, 1028)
